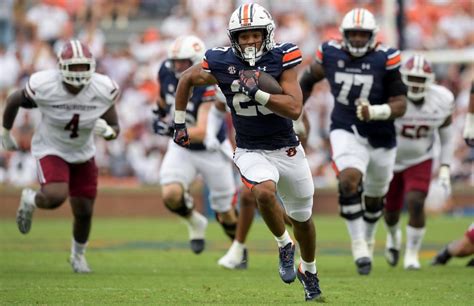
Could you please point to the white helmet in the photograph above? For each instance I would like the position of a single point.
(76, 53)
(358, 19)
(417, 74)
(187, 47)
(251, 16)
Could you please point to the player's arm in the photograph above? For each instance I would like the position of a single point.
(446, 153)
(111, 118)
(396, 104)
(312, 75)
(17, 99)
(194, 76)
(468, 133)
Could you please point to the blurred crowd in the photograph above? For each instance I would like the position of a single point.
(31, 32)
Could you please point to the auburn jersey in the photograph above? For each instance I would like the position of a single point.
(374, 76)
(67, 120)
(256, 126)
(201, 94)
(416, 129)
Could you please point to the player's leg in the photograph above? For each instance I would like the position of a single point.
(350, 159)
(260, 176)
(458, 248)
(392, 210)
(53, 175)
(296, 191)
(176, 174)
(82, 191)
(376, 184)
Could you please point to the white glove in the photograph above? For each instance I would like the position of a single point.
(468, 134)
(444, 179)
(101, 128)
(8, 141)
(375, 112)
(212, 143)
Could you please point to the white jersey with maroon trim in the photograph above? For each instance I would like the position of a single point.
(416, 129)
(67, 120)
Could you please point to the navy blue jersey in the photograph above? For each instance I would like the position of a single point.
(370, 76)
(256, 126)
(201, 94)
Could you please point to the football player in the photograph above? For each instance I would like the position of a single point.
(268, 154)
(469, 124)
(180, 166)
(75, 103)
(458, 248)
(365, 81)
(429, 112)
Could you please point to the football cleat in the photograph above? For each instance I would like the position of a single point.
(392, 255)
(410, 261)
(287, 263)
(310, 283)
(470, 263)
(234, 261)
(24, 214)
(197, 225)
(441, 258)
(79, 263)
(364, 265)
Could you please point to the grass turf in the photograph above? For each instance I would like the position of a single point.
(147, 261)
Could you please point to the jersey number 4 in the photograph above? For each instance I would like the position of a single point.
(73, 126)
(348, 80)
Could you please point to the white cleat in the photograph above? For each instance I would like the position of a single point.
(79, 263)
(24, 214)
(411, 261)
(234, 260)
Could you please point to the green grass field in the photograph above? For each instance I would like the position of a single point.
(147, 261)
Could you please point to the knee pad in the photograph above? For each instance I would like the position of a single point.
(350, 205)
(301, 210)
(185, 207)
(229, 229)
(373, 213)
(300, 215)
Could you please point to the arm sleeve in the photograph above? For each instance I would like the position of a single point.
(447, 144)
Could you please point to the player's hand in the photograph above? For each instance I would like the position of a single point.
(162, 128)
(248, 81)
(101, 128)
(212, 143)
(181, 137)
(444, 179)
(468, 134)
(160, 112)
(8, 141)
(363, 109)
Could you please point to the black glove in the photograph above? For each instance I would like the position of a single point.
(248, 81)
(181, 136)
(160, 111)
(162, 128)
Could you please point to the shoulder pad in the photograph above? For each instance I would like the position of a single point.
(40, 83)
(393, 58)
(445, 97)
(291, 55)
(105, 86)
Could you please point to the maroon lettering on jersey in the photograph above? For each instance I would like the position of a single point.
(291, 152)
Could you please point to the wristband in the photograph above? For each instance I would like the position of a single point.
(380, 112)
(179, 116)
(262, 97)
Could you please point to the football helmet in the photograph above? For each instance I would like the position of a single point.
(417, 75)
(187, 47)
(76, 53)
(251, 16)
(358, 19)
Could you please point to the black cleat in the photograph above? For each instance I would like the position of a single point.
(470, 263)
(310, 284)
(364, 265)
(287, 263)
(392, 255)
(441, 258)
(197, 245)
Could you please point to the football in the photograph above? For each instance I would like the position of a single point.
(268, 84)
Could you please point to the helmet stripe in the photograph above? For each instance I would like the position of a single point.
(246, 14)
(361, 16)
(74, 49)
(79, 48)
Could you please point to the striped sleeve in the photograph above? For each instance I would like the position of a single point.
(209, 94)
(393, 59)
(205, 65)
(291, 56)
(318, 56)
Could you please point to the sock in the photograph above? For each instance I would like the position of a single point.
(414, 238)
(308, 266)
(370, 230)
(78, 248)
(30, 198)
(237, 246)
(194, 217)
(356, 228)
(392, 239)
(283, 239)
